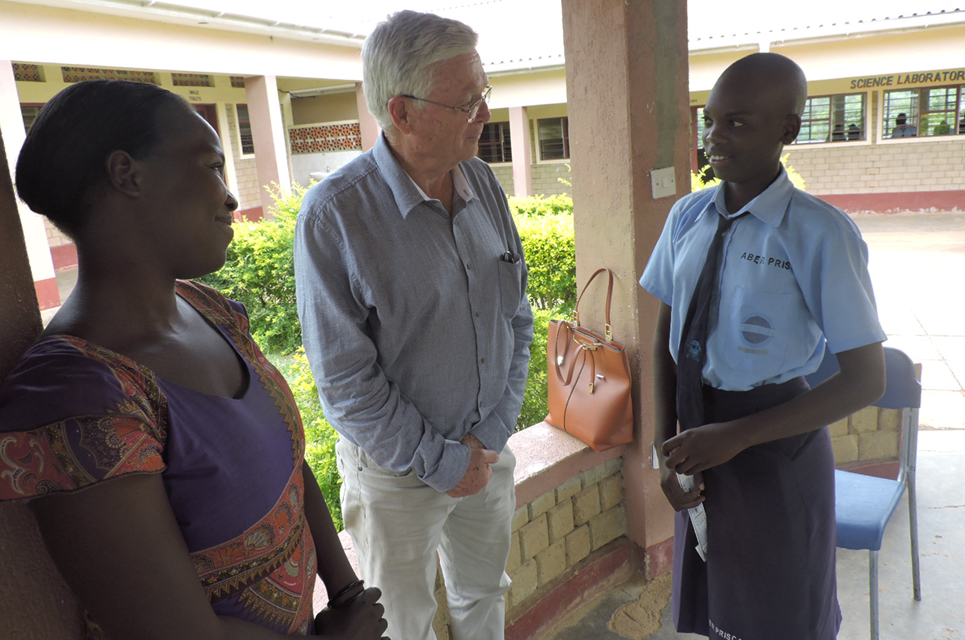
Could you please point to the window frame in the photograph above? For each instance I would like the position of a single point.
(921, 113)
(241, 144)
(504, 145)
(836, 114)
(564, 140)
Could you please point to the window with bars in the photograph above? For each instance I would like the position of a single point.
(26, 72)
(495, 144)
(79, 74)
(192, 80)
(554, 138)
(936, 111)
(837, 118)
(244, 129)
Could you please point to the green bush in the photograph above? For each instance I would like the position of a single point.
(540, 205)
(320, 437)
(698, 182)
(550, 249)
(535, 401)
(260, 273)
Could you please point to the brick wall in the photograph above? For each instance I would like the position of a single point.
(248, 191)
(55, 237)
(559, 529)
(545, 178)
(883, 168)
(870, 436)
(504, 174)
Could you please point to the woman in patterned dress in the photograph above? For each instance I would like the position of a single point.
(161, 453)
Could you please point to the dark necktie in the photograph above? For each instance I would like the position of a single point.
(692, 353)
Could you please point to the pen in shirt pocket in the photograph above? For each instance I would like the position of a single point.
(511, 257)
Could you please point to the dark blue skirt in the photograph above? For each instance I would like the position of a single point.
(770, 571)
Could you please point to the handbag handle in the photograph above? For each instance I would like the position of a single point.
(609, 296)
(586, 348)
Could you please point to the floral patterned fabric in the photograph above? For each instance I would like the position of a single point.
(73, 414)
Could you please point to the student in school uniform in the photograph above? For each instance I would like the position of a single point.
(756, 280)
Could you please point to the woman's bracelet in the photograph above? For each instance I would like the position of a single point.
(336, 601)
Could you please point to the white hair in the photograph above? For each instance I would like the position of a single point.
(400, 55)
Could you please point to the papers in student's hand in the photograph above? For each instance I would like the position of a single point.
(698, 517)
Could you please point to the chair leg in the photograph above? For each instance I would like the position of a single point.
(913, 526)
(873, 587)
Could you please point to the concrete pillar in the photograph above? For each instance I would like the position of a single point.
(227, 145)
(268, 135)
(627, 82)
(368, 127)
(34, 231)
(35, 604)
(522, 151)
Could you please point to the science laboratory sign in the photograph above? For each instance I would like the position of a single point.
(910, 80)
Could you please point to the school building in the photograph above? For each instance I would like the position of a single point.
(884, 127)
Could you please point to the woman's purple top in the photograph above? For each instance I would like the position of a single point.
(73, 414)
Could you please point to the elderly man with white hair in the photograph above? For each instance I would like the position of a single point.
(412, 296)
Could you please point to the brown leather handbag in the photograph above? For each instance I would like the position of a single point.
(589, 380)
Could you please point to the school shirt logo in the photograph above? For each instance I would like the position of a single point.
(693, 350)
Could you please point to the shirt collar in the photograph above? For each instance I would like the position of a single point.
(769, 206)
(408, 195)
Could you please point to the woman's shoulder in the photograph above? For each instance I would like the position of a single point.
(73, 414)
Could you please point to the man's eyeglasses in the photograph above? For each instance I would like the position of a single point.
(471, 111)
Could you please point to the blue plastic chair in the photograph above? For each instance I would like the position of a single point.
(863, 505)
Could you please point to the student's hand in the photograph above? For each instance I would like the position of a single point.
(477, 473)
(678, 498)
(696, 450)
(359, 619)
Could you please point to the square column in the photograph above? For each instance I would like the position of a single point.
(268, 135)
(34, 230)
(627, 82)
(522, 151)
(368, 127)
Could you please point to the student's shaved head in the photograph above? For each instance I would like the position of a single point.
(773, 74)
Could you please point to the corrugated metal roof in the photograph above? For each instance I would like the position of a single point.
(528, 34)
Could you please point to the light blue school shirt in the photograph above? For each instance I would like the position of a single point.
(794, 273)
(416, 324)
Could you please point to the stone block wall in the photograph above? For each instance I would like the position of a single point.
(870, 436)
(561, 528)
(553, 535)
(504, 174)
(248, 191)
(933, 165)
(55, 237)
(545, 178)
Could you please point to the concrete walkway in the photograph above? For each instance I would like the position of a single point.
(917, 264)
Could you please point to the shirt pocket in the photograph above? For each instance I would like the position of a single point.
(756, 331)
(510, 286)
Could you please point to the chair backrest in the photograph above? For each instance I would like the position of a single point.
(902, 391)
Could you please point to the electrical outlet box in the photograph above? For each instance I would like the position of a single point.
(663, 183)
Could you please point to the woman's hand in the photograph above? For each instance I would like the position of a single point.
(358, 619)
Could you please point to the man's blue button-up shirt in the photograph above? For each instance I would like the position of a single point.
(416, 323)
